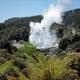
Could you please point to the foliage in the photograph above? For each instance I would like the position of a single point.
(27, 48)
(72, 18)
(69, 74)
(76, 37)
(17, 28)
(26, 63)
(50, 69)
(38, 67)
(76, 46)
(7, 65)
(64, 42)
(70, 40)
(5, 44)
(20, 34)
(60, 29)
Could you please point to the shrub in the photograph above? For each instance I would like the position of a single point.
(19, 62)
(76, 38)
(59, 32)
(5, 44)
(75, 65)
(26, 49)
(3, 77)
(50, 69)
(20, 34)
(69, 74)
(63, 44)
(76, 46)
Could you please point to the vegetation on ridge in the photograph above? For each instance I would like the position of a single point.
(28, 63)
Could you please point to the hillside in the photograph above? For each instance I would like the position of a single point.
(72, 18)
(25, 62)
(17, 28)
(29, 64)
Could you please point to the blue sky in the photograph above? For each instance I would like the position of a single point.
(22, 8)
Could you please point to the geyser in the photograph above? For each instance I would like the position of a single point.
(40, 35)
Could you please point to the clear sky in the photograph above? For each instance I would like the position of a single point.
(22, 8)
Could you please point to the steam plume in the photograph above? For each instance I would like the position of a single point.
(40, 32)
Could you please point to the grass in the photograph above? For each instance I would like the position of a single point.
(52, 68)
(6, 66)
(38, 67)
(27, 48)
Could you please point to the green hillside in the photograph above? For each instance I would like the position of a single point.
(36, 66)
(28, 63)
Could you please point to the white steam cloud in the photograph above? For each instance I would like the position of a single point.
(40, 32)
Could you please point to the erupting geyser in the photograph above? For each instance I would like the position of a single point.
(40, 32)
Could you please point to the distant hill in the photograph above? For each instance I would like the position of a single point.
(18, 28)
(72, 18)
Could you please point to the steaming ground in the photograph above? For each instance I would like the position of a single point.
(40, 35)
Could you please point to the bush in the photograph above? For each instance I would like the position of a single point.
(65, 41)
(5, 44)
(69, 74)
(3, 77)
(59, 32)
(19, 62)
(20, 34)
(76, 46)
(25, 72)
(76, 38)
(11, 72)
(26, 49)
(75, 65)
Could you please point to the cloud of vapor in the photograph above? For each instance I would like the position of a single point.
(40, 32)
